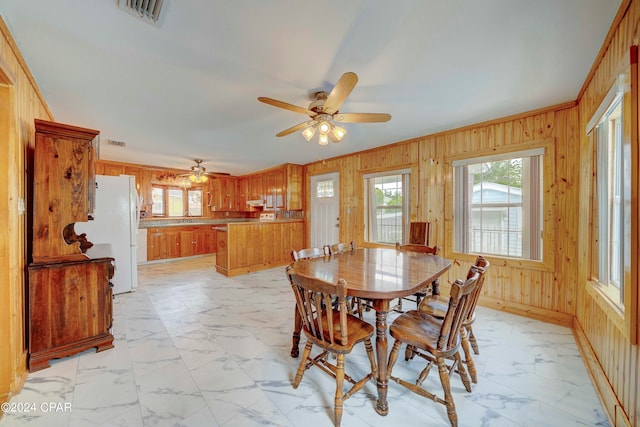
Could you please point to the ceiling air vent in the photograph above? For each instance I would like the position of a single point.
(147, 10)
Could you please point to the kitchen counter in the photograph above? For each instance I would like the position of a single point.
(252, 246)
(160, 223)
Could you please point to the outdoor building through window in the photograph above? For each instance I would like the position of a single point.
(498, 205)
(387, 206)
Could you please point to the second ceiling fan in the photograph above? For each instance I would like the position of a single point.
(324, 111)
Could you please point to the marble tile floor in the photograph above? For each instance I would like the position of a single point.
(195, 348)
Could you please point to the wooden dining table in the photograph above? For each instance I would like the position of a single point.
(379, 275)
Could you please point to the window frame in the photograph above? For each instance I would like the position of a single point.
(547, 225)
(531, 173)
(625, 315)
(185, 201)
(369, 214)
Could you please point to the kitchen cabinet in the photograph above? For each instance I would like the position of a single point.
(279, 188)
(69, 294)
(212, 245)
(256, 187)
(223, 190)
(194, 241)
(222, 261)
(163, 243)
(294, 194)
(179, 241)
(274, 187)
(242, 194)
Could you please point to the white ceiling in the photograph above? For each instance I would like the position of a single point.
(187, 89)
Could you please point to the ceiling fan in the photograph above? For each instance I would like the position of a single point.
(199, 173)
(324, 112)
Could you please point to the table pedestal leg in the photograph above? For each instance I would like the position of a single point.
(382, 407)
(297, 327)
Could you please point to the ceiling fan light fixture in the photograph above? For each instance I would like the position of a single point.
(324, 128)
(198, 178)
(309, 132)
(337, 133)
(323, 139)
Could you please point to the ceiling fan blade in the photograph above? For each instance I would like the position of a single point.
(362, 117)
(286, 106)
(294, 128)
(340, 91)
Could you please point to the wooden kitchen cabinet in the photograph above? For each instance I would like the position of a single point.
(163, 243)
(279, 188)
(223, 190)
(222, 261)
(242, 194)
(194, 241)
(256, 187)
(179, 241)
(274, 187)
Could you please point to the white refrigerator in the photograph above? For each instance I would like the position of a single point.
(116, 217)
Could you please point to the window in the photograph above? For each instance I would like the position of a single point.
(194, 200)
(176, 202)
(324, 188)
(613, 174)
(387, 206)
(157, 197)
(498, 205)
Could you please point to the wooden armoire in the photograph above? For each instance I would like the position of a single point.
(69, 294)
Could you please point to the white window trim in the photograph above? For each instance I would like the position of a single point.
(371, 232)
(548, 228)
(461, 205)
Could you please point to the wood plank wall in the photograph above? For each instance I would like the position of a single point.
(20, 103)
(546, 294)
(612, 358)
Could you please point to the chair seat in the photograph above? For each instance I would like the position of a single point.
(421, 331)
(357, 330)
(435, 306)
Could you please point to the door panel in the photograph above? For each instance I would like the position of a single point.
(325, 209)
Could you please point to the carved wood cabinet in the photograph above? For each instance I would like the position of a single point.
(69, 295)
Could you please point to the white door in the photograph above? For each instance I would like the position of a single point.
(325, 209)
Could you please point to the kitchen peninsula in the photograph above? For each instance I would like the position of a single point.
(245, 247)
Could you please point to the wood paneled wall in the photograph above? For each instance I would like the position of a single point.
(545, 293)
(608, 347)
(20, 103)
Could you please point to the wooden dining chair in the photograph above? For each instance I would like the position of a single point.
(419, 233)
(437, 306)
(438, 342)
(306, 253)
(333, 330)
(355, 305)
(339, 248)
(435, 287)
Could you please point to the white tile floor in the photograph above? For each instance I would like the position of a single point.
(194, 348)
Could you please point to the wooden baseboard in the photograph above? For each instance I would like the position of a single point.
(562, 319)
(607, 395)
